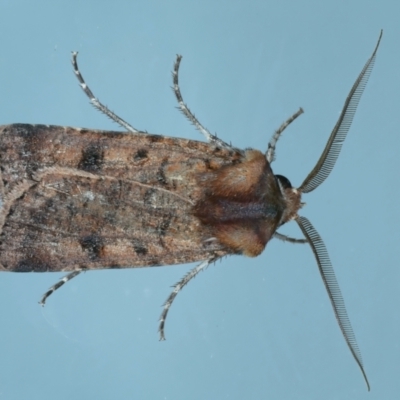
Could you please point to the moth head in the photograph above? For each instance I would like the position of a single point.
(292, 197)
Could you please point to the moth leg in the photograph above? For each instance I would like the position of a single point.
(189, 115)
(177, 288)
(95, 102)
(58, 285)
(270, 153)
(289, 239)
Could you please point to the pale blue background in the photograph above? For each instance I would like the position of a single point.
(245, 328)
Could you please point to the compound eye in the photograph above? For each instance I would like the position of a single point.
(284, 181)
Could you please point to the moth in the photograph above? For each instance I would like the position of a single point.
(75, 199)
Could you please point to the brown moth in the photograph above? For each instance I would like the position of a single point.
(75, 199)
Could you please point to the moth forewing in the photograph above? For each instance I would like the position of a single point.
(84, 201)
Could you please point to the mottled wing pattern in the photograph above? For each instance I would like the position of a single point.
(74, 198)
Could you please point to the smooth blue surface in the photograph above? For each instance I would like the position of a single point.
(245, 328)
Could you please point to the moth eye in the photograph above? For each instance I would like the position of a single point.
(284, 181)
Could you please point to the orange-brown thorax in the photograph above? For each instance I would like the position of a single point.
(244, 205)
